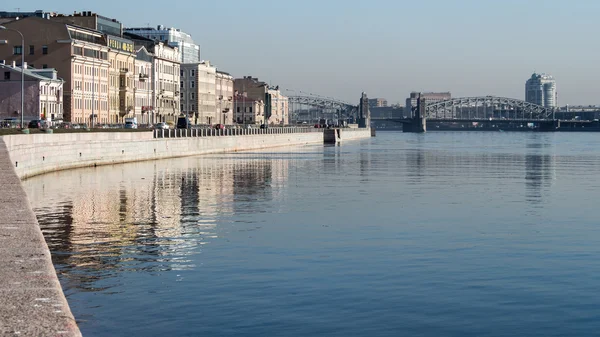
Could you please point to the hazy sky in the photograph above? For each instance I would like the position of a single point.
(387, 48)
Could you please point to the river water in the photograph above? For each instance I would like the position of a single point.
(437, 234)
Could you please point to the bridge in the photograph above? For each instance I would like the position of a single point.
(312, 108)
(483, 109)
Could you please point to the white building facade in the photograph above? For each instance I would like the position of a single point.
(189, 51)
(279, 107)
(166, 69)
(541, 89)
(224, 97)
(198, 93)
(143, 90)
(248, 111)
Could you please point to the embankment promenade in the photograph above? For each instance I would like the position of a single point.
(32, 301)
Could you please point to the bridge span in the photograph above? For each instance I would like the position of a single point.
(484, 109)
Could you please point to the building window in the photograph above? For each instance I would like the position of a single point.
(250, 110)
(180, 72)
(31, 50)
(193, 107)
(7, 75)
(192, 72)
(44, 66)
(238, 109)
(45, 50)
(181, 84)
(17, 50)
(192, 95)
(191, 84)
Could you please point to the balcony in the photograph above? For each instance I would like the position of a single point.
(124, 70)
(143, 77)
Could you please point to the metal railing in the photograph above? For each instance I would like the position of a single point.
(183, 133)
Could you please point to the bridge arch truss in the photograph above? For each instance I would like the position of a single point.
(320, 102)
(486, 107)
(325, 105)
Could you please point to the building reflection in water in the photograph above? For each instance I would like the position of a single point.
(539, 169)
(146, 217)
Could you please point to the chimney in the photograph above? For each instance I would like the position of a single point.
(25, 65)
(14, 64)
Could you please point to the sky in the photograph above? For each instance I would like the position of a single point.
(386, 48)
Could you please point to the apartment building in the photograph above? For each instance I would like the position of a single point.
(248, 111)
(279, 107)
(198, 93)
(121, 56)
(224, 97)
(79, 55)
(276, 104)
(165, 77)
(143, 86)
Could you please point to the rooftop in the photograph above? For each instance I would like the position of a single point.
(47, 74)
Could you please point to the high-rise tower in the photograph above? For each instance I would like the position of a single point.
(541, 89)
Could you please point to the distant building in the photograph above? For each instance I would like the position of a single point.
(43, 93)
(248, 110)
(387, 112)
(541, 89)
(279, 106)
(377, 102)
(190, 51)
(10, 16)
(276, 104)
(429, 97)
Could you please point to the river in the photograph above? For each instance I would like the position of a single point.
(437, 234)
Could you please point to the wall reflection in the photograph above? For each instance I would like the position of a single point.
(148, 216)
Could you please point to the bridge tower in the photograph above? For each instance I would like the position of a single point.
(419, 121)
(364, 115)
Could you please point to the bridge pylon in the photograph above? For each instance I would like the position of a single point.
(419, 120)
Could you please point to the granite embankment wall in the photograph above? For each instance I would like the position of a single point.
(41, 153)
(31, 299)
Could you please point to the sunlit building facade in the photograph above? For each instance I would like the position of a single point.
(540, 89)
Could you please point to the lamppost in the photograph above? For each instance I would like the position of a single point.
(22, 73)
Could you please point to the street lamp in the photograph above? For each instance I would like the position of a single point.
(22, 72)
